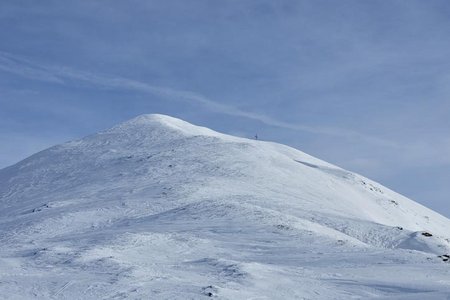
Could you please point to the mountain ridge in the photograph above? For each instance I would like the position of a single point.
(161, 181)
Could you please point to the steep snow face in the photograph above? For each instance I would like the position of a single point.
(157, 207)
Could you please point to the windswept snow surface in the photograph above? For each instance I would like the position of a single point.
(157, 208)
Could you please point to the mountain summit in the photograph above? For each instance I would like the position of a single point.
(158, 208)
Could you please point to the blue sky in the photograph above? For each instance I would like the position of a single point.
(362, 84)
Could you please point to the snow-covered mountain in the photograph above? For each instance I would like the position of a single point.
(157, 208)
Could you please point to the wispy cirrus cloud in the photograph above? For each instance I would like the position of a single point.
(22, 67)
(66, 76)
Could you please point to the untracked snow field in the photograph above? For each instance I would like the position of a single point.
(157, 208)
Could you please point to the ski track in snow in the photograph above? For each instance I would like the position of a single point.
(157, 208)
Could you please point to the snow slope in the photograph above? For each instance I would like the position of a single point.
(157, 208)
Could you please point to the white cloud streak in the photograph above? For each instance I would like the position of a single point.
(63, 75)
